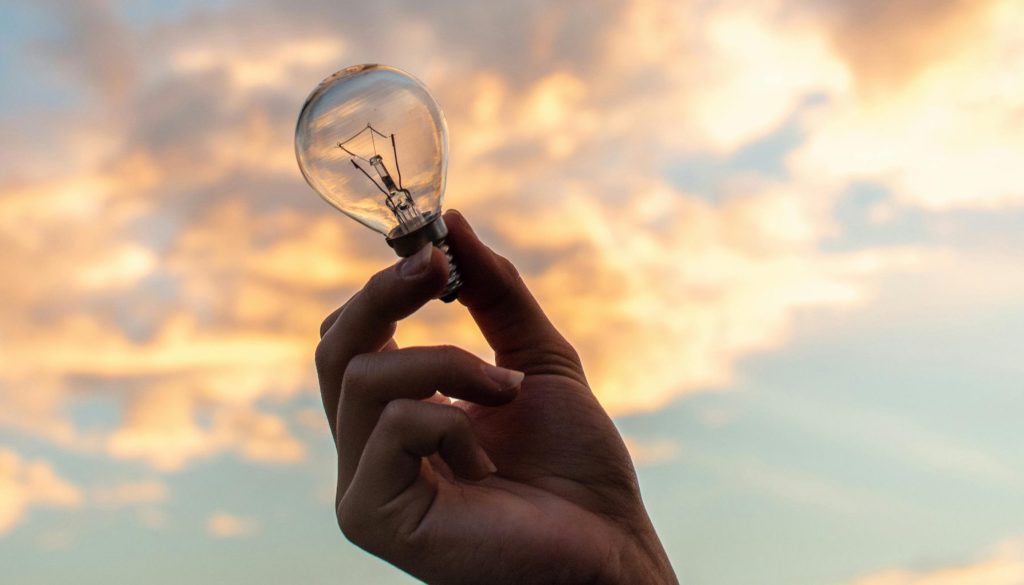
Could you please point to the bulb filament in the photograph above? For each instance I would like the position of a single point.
(398, 199)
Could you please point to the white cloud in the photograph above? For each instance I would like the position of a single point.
(687, 287)
(262, 65)
(949, 138)
(124, 266)
(730, 72)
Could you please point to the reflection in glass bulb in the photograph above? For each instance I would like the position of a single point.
(373, 142)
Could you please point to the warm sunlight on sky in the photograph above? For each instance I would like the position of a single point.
(786, 237)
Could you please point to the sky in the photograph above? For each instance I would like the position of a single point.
(785, 237)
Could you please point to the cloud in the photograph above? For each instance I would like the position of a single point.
(264, 437)
(1003, 566)
(25, 484)
(175, 261)
(132, 493)
(652, 452)
(94, 47)
(699, 69)
(311, 418)
(889, 43)
(224, 525)
(684, 304)
(947, 138)
(267, 66)
(161, 428)
(197, 285)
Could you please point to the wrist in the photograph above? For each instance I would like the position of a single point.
(642, 560)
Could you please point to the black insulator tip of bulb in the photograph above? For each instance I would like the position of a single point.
(408, 244)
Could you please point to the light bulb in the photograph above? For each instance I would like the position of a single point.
(373, 142)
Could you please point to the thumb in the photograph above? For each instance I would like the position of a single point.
(511, 320)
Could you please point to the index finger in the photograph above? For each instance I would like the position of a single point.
(367, 321)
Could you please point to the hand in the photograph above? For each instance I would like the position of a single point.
(525, 480)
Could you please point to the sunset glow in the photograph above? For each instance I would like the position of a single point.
(784, 236)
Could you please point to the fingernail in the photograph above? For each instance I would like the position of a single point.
(416, 264)
(485, 462)
(506, 379)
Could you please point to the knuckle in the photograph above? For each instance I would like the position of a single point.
(326, 324)
(376, 283)
(324, 356)
(449, 354)
(459, 420)
(570, 353)
(356, 373)
(396, 411)
(331, 319)
(508, 268)
(351, 523)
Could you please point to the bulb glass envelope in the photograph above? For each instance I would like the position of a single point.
(348, 120)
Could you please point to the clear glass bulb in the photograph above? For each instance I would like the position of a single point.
(373, 142)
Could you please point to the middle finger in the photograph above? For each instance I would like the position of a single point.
(372, 380)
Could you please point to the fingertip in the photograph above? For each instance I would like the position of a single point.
(478, 264)
(486, 467)
(508, 381)
(454, 215)
(478, 469)
(428, 268)
(438, 260)
(458, 226)
(510, 318)
(414, 265)
(399, 290)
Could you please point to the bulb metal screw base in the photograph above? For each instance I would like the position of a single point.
(451, 290)
(434, 232)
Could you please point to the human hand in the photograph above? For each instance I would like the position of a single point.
(524, 480)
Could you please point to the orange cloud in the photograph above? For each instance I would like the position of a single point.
(26, 484)
(890, 43)
(161, 428)
(948, 138)
(662, 295)
(652, 452)
(133, 493)
(711, 77)
(1005, 566)
(224, 525)
(179, 264)
(270, 65)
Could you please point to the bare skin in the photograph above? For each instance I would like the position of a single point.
(524, 480)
